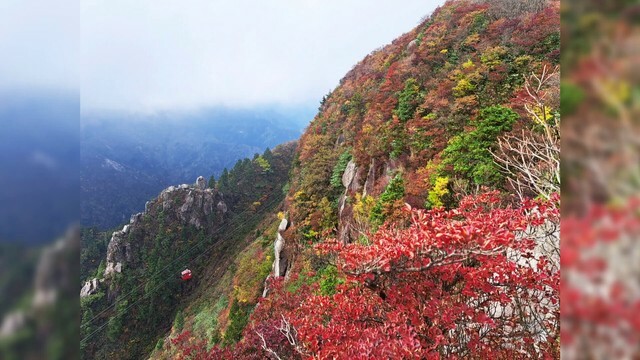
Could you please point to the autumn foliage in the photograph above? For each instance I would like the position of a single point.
(469, 282)
(409, 254)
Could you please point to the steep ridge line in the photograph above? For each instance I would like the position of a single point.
(234, 231)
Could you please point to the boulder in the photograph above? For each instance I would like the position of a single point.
(113, 268)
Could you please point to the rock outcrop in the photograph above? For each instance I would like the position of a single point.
(190, 205)
(201, 183)
(90, 287)
(280, 258)
(371, 179)
(351, 182)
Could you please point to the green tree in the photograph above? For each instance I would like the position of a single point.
(268, 155)
(212, 182)
(223, 182)
(469, 153)
(338, 170)
(263, 163)
(394, 191)
(408, 100)
(178, 323)
(101, 269)
(238, 318)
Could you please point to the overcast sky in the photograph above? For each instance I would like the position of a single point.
(154, 55)
(39, 44)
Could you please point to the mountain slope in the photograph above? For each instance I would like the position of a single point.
(134, 295)
(359, 274)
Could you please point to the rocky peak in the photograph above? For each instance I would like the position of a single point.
(190, 205)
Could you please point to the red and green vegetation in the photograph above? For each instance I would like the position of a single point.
(435, 249)
(422, 206)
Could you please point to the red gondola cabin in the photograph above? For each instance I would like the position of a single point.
(186, 274)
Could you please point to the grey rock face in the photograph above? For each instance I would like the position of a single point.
(53, 273)
(135, 218)
(89, 288)
(118, 251)
(280, 259)
(277, 249)
(283, 225)
(221, 206)
(371, 179)
(349, 174)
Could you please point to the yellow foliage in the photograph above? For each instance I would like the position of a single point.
(362, 206)
(468, 64)
(438, 191)
(541, 113)
(299, 195)
(280, 215)
(464, 87)
(253, 266)
(523, 60)
(471, 40)
(444, 51)
(430, 116)
(493, 56)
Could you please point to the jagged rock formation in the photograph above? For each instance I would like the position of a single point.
(201, 183)
(90, 287)
(188, 205)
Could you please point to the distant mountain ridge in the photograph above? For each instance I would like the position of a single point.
(125, 160)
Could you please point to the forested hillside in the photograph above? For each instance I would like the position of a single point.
(132, 292)
(421, 212)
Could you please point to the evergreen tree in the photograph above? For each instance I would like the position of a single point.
(268, 155)
(223, 182)
(212, 182)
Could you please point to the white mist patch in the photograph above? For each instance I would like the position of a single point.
(108, 163)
